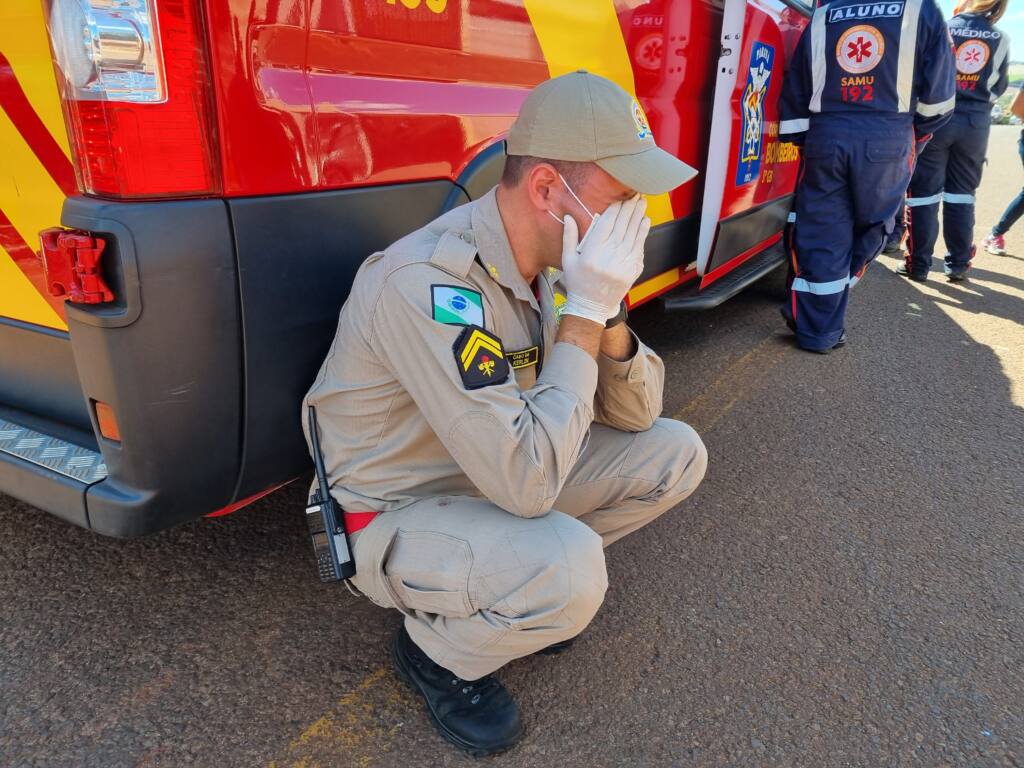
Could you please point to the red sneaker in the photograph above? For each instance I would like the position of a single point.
(995, 245)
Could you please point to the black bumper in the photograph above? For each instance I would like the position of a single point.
(224, 311)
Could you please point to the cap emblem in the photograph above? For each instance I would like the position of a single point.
(643, 128)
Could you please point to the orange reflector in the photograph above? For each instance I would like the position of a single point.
(107, 421)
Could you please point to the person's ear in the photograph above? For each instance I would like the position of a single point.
(541, 181)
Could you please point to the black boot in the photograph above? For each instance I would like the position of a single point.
(478, 716)
(787, 318)
(556, 648)
(902, 271)
(828, 350)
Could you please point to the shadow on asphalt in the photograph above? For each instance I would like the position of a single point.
(843, 589)
(973, 295)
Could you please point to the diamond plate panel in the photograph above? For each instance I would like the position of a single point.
(68, 459)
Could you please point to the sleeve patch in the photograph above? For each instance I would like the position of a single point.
(454, 305)
(480, 358)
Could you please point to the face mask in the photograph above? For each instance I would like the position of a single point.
(591, 215)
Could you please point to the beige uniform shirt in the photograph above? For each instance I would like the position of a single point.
(397, 422)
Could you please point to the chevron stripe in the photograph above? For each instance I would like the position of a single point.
(49, 153)
(475, 343)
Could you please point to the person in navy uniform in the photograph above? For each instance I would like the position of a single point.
(949, 169)
(866, 82)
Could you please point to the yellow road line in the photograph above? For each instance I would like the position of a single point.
(359, 727)
(737, 381)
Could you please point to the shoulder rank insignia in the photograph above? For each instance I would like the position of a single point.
(480, 358)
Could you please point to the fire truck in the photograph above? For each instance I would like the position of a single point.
(187, 188)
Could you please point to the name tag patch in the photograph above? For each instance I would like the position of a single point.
(523, 358)
(480, 358)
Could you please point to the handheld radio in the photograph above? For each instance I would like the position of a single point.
(330, 542)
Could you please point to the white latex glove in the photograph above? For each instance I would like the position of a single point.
(599, 271)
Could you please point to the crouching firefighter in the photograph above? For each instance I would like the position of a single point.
(867, 82)
(949, 169)
(489, 422)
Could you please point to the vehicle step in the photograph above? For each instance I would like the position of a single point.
(689, 297)
(53, 453)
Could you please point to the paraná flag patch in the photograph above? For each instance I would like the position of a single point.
(456, 306)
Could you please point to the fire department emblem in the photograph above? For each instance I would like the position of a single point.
(759, 75)
(860, 49)
(971, 57)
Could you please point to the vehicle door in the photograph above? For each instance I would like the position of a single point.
(750, 175)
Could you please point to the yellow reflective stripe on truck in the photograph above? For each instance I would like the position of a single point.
(25, 43)
(29, 197)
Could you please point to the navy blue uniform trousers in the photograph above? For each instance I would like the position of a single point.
(855, 173)
(948, 172)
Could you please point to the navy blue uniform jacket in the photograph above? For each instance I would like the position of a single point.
(880, 59)
(982, 62)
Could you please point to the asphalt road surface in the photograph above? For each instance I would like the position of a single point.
(845, 588)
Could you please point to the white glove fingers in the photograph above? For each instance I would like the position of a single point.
(602, 226)
(635, 221)
(627, 207)
(641, 235)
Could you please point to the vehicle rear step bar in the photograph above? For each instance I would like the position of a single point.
(48, 470)
(689, 298)
(53, 453)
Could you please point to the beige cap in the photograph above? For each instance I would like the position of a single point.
(585, 118)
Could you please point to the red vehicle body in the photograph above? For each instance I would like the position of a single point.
(284, 141)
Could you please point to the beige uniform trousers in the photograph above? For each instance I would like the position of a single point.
(479, 586)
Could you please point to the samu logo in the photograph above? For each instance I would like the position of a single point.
(759, 75)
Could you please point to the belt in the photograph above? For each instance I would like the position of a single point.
(356, 520)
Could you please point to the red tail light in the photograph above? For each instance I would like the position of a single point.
(135, 83)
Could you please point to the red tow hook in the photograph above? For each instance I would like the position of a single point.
(71, 262)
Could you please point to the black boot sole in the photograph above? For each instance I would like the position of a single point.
(828, 350)
(557, 648)
(471, 749)
(911, 276)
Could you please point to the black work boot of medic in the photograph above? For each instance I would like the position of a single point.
(478, 716)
